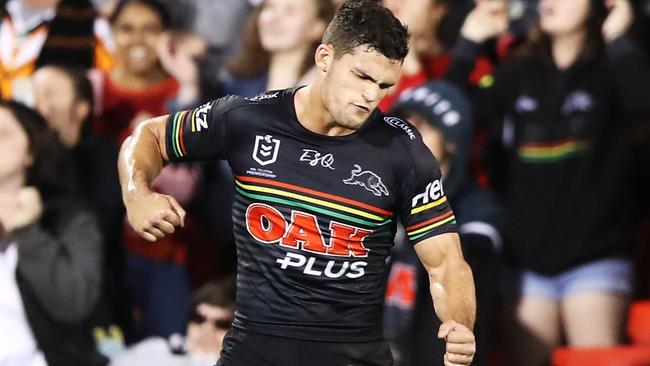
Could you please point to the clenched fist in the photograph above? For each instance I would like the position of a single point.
(153, 215)
(461, 344)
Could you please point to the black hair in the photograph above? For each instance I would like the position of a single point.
(366, 22)
(220, 293)
(50, 171)
(155, 5)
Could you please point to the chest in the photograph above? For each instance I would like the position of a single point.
(550, 106)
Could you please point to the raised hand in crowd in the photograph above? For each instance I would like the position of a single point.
(488, 19)
(20, 210)
(619, 20)
(178, 54)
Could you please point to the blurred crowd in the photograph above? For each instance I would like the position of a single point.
(538, 111)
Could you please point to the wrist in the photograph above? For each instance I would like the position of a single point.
(136, 192)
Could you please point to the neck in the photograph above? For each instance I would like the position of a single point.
(312, 113)
(135, 81)
(566, 48)
(71, 137)
(285, 68)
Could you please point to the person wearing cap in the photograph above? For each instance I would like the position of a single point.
(562, 112)
(442, 114)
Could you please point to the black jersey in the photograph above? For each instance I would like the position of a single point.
(314, 216)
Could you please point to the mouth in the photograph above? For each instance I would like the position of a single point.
(361, 107)
(137, 53)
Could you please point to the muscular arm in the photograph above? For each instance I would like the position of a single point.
(450, 278)
(141, 158)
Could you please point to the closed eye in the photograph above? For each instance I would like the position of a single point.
(364, 76)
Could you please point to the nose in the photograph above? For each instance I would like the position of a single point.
(371, 93)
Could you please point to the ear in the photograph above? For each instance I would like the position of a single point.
(324, 57)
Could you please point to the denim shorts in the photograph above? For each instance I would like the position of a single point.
(609, 275)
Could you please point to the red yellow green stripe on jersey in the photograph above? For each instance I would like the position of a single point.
(417, 231)
(551, 151)
(335, 207)
(178, 121)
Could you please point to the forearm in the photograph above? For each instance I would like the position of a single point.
(141, 160)
(453, 294)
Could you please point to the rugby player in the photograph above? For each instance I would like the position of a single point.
(321, 178)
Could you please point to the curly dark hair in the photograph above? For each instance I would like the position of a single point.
(366, 22)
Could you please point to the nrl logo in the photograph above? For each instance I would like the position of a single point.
(266, 150)
(368, 180)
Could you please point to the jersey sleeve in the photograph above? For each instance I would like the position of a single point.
(200, 133)
(425, 211)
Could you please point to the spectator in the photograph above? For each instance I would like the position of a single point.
(50, 251)
(279, 40)
(139, 86)
(35, 33)
(64, 96)
(433, 27)
(212, 312)
(157, 277)
(442, 115)
(563, 108)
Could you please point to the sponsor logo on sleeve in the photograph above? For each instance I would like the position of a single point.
(201, 117)
(432, 192)
(400, 125)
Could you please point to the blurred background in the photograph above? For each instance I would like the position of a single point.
(538, 111)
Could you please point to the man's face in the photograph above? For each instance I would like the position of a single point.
(355, 83)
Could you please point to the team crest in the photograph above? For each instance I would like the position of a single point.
(368, 180)
(266, 150)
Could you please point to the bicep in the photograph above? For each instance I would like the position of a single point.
(436, 251)
(157, 128)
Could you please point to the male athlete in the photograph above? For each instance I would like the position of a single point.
(321, 178)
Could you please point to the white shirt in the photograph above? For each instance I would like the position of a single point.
(17, 344)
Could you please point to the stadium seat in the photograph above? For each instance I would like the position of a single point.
(638, 324)
(610, 356)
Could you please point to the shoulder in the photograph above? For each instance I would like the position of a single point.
(408, 139)
(231, 102)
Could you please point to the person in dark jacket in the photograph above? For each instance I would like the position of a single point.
(50, 250)
(562, 111)
(442, 114)
(64, 97)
